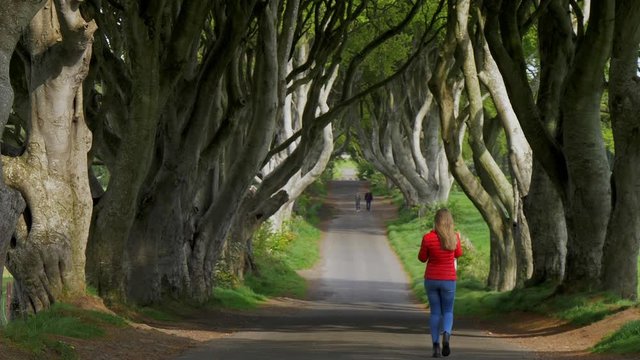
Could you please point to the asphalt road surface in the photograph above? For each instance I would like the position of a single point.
(360, 306)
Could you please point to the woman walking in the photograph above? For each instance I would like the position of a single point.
(439, 249)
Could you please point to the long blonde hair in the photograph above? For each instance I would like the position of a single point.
(443, 224)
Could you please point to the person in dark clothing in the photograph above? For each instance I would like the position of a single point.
(368, 197)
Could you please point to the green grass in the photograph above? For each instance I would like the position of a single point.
(238, 298)
(278, 257)
(470, 223)
(304, 250)
(625, 340)
(37, 333)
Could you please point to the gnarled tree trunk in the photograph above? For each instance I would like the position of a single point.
(14, 17)
(620, 259)
(48, 257)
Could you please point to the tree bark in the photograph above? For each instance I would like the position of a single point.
(140, 140)
(589, 191)
(545, 215)
(502, 212)
(48, 258)
(620, 259)
(563, 128)
(520, 162)
(14, 17)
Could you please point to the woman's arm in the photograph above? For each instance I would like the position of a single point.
(458, 251)
(423, 255)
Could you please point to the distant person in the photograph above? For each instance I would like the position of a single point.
(357, 201)
(368, 197)
(440, 249)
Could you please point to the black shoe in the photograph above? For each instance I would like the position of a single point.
(436, 350)
(446, 350)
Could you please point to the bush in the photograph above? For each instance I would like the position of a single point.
(365, 170)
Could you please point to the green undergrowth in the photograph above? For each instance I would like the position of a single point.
(238, 298)
(44, 334)
(625, 340)
(278, 257)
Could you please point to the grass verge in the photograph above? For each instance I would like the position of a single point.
(44, 334)
(278, 257)
(238, 298)
(625, 340)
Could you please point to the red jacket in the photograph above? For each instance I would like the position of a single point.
(441, 262)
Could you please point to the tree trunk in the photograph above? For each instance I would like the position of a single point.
(115, 213)
(144, 63)
(48, 259)
(372, 152)
(520, 162)
(443, 86)
(620, 260)
(589, 191)
(436, 157)
(572, 67)
(499, 213)
(14, 17)
(545, 215)
(158, 248)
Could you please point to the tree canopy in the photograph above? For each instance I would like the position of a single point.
(141, 138)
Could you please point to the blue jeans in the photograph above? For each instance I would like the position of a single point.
(441, 294)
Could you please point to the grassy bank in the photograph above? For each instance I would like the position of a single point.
(473, 299)
(279, 255)
(45, 335)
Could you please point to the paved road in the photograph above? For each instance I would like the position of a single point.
(360, 306)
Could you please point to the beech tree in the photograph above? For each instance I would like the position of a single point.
(562, 123)
(294, 162)
(15, 16)
(397, 131)
(402, 141)
(186, 106)
(162, 115)
(497, 199)
(47, 255)
(620, 254)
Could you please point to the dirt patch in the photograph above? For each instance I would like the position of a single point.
(555, 339)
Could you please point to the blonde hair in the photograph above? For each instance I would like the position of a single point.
(443, 224)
